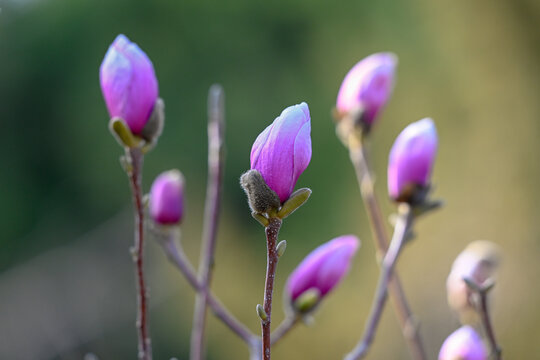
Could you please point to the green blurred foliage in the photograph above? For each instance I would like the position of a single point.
(471, 65)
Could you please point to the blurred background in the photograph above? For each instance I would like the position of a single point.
(66, 278)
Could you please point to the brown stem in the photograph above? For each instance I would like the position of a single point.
(135, 158)
(481, 303)
(284, 328)
(400, 232)
(177, 257)
(407, 321)
(216, 118)
(496, 350)
(272, 231)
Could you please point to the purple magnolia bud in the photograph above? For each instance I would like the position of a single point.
(323, 268)
(411, 159)
(368, 86)
(128, 83)
(463, 344)
(283, 150)
(167, 198)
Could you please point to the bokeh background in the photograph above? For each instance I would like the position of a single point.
(66, 282)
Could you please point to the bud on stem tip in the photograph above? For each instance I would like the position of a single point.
(320, 272)
(283, 150)
(128, 83)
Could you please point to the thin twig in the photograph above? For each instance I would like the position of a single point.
(401, 229)
(135, 158)
(272, 231)
(216, 119)
(283, 329)
(177, 257)
(407, 320)
(496, 350)
(255, 350)
(481, 303)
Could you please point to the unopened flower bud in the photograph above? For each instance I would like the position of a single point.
(321, 270)
(463, 344)
(478, 263)
(411, 160)
(367, 87)
(283, 150)
(128, 83)
(167, 198)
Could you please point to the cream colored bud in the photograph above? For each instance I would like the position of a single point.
(478, 262)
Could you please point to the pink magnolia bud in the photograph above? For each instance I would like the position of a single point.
(323, 268)
(411, 159)
(283, 150)
(463, 344)
(368, 86)
(128, 83)
(167, 198)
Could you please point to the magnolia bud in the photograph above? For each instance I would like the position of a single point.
(321, 271)
(367, 87)
(128, 83)
(167, 198)
(478, 263)
(411, 161)
(283, 150)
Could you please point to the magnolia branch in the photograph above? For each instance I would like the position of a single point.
(401, 229)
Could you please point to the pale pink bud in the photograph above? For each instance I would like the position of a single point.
(477, 263)
(367, 86)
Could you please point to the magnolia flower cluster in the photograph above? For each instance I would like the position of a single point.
(283, 150)
(130, 90)
(280, 154)
(366, 89)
